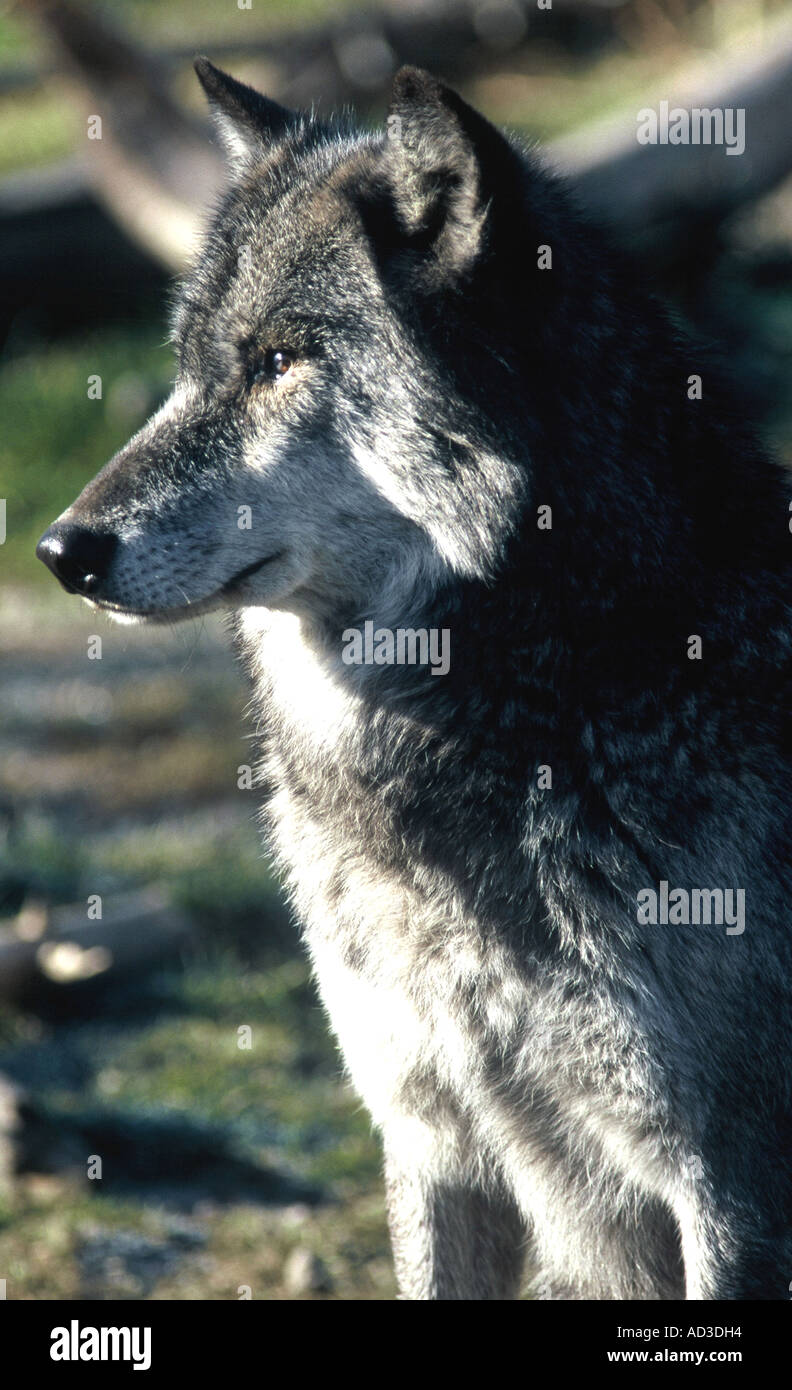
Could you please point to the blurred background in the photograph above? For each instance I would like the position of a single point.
(157, 1022)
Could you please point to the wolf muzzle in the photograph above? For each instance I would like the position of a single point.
(79, 559)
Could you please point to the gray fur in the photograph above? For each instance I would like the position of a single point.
(542, 1067)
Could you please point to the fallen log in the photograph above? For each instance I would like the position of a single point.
(43, 950)
(157, 169)
(659, 194)
(150, 161)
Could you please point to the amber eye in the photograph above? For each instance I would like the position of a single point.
(270, 365)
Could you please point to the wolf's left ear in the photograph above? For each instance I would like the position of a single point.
(247, 121)
(444, 165)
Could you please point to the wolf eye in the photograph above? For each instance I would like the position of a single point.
(270, 365)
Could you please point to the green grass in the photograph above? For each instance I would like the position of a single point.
(55, 438)
(238, 1246)
(280, 1106)
(156, 1062)
(178, 22)
(37, 126)
(42, 124)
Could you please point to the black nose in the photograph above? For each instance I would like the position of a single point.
(80, 559)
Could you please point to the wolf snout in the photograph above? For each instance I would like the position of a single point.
(79, 558)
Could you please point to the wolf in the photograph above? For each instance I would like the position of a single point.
(417, 388)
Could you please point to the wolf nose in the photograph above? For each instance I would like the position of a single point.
(80, 559)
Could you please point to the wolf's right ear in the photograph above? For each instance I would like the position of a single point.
(246, 120)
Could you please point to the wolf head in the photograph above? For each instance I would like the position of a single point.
(337, 437)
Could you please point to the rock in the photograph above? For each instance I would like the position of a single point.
(305, 1273)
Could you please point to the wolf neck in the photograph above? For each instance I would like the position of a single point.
(431, 662)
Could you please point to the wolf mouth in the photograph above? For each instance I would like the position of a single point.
(188, 609)
(248, 571)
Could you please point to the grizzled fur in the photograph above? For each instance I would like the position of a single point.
(542, 1067)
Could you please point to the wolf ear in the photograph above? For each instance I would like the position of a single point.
(444, 163)
(246, 120)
